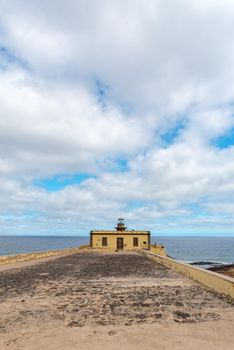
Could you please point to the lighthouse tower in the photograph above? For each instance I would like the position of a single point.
(120, 225)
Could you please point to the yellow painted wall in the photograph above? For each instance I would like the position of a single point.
(219, 283)
(158, 249)
(112, 241)
(10, 259)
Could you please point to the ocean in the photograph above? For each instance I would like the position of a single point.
(204, 251)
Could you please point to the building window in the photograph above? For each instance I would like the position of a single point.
(104, 241)
(135, 241)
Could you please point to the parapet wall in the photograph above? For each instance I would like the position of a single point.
(217, 282)
(10, 259)
(158, 249)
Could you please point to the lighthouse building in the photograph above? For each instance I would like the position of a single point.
(119, 239)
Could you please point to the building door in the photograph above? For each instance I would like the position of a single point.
(135, 241)
(120, 243)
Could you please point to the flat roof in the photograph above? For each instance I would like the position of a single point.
(115, 232)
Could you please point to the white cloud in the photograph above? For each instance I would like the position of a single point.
(162, 62)
(46, 129)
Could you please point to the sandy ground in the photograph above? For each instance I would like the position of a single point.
(109, 301)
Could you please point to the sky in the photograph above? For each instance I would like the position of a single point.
(117, 109)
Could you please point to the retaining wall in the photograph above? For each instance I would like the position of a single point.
(219, 283)
(10, 259)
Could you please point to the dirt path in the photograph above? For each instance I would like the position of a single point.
(82, 292)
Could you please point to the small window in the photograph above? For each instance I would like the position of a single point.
(135, 241)
(104, 241)
(144, 242)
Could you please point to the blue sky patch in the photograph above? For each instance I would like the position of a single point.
(118, 165)
(135, 205)
(197, 208)
(8, 216)
(122, 165)
(61, 181)
(172, 134)
(225, 141)
(19, 216)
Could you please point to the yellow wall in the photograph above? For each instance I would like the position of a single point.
(112, 241)
(158, 249)
(219, 283)
(10, 259)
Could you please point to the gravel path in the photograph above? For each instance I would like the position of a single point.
(90, 289)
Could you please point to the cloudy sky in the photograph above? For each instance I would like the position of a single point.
(117, 108)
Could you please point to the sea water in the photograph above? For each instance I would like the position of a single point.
(202, 250)
(10, 245)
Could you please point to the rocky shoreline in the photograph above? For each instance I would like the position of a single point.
(227, 270)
